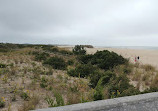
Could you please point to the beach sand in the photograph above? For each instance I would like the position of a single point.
(146, 56)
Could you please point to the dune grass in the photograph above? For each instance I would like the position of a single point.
(27, 82)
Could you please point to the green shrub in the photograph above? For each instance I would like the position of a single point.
(100, 78)
(65, 52)
(120, 83)
(94, 78)
(56, 62)
(129, 92)
(72, 72)
(59, 99)
(2, 102)
(24, 95)
(105, 79)
(103, 59)
(4, 50)
(70, 62)
(43, 82)
(116, 85)
(107, 60)
(47, 47)
(3, 65)
(98, 95)
(85, 59)
(43, 85)
(41, 56)
(79, 50)
(83, 70)
(6, 47)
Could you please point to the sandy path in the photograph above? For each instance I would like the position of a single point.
(146, 56)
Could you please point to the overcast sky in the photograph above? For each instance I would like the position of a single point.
(96, 22)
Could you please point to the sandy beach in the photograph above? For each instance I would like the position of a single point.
(146, 56)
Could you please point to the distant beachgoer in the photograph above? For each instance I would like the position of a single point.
(135, 59)
(138, 57)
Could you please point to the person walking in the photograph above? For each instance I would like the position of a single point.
(135, 59)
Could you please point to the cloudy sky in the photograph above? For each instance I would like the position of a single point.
(96, 22)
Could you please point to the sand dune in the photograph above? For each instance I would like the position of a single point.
(146, 56)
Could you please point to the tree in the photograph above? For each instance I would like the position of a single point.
(79, 50)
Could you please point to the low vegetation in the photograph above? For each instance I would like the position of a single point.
(42, 76)
(56, 62)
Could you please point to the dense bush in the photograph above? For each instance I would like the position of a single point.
(103, 59)
(5, 47)
(79, 50)
(121, 84)
(55, 49)
(105, 78)
(72, 72)
(41, 56)
(46, 47)
(94, 78)
(50, 48)
(85, 59)
(129, 92)
(56, 62)
(97, 75)
(98, 95)
(84, 70)
(65, 52)
(107, 60)
(70, 62)
(81, 70)
(3, 65)
(8, 46)
(116, 86)
(4, 50)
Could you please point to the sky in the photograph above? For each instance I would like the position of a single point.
(95, 22)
